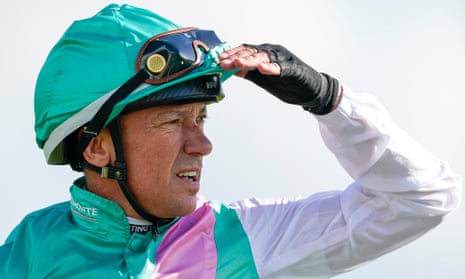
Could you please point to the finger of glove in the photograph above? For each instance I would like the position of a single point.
(276, 53)
(298, 83)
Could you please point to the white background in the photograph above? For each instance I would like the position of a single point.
(409, 54)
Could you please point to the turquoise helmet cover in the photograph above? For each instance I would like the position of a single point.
(89, 62)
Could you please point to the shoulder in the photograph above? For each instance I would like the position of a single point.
(28, 236)
(36, 221)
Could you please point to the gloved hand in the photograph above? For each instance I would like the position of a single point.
(297, 82)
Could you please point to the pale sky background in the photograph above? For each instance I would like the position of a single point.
(409, 54)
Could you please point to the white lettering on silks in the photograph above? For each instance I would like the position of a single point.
(84, 210)
(142, 229)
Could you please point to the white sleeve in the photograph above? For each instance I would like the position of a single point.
(399, 192)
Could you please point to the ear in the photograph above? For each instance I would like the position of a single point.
(100, 151)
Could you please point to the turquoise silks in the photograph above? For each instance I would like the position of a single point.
(92, 236)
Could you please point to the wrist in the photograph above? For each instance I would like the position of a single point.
(340, 93)
(330, 95)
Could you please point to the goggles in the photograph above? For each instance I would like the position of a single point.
(172, 54)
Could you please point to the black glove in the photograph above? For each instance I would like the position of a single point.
(298, 84)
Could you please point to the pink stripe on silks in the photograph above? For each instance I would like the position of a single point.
(188, 249)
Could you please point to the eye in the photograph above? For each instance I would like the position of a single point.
(201, 119)
(171, 122)
(174, 121)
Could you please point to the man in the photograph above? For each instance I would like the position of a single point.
(122, 97)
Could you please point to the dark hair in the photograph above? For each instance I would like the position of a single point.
(71, 146)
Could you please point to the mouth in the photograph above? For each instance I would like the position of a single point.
(191, 176)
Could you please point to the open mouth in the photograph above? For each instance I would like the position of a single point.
(189, 175)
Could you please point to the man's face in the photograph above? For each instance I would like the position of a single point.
(163, 148)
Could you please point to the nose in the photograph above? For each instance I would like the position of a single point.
(197, 143)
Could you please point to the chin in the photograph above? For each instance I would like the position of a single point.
(185, 208)
(188, 211)
(191, 207)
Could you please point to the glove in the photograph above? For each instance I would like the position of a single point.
(298, 83)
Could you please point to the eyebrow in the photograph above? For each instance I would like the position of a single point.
(182, 112)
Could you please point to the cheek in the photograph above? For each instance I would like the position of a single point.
(151, 158)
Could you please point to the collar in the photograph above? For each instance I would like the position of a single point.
(95, 213)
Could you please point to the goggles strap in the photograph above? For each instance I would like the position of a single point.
(100, 118)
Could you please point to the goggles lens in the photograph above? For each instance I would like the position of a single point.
(174, 53)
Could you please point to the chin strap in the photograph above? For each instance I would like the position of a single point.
(120, 168)
(119, 173)
(97, 123)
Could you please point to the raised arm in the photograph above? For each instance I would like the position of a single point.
(399, 192)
